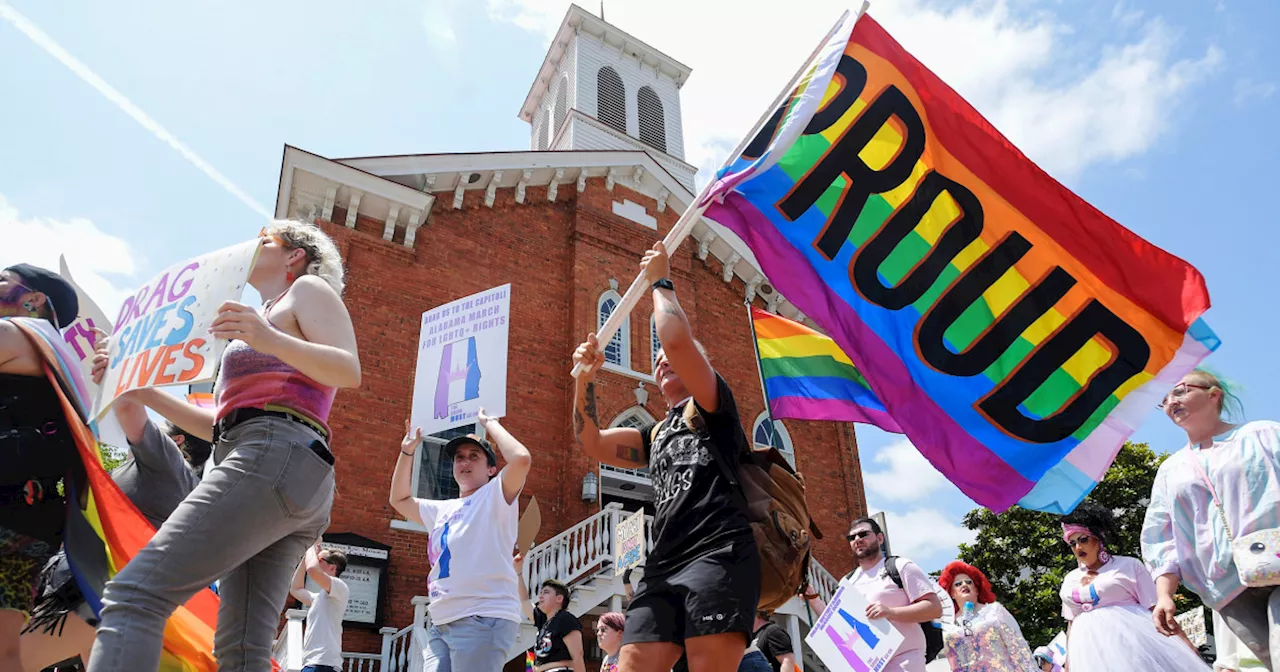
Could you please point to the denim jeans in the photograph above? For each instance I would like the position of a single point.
(754, 661)
(1254, 617)
(471, 644)
(248, 522)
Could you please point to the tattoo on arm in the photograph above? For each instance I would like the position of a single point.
(629, 453)
(673, 310)
(577, 426)
(589, 406)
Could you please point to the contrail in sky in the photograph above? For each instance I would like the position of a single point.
(26, 27)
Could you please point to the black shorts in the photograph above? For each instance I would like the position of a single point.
(716, 593)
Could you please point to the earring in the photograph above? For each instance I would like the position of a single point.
(288, 275)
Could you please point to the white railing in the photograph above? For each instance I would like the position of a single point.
(642, 472)
(579, 551)
(361, 662)
(402, 649)
(822, 582)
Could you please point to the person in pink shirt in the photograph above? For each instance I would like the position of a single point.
(906, 606)
(1107, 602)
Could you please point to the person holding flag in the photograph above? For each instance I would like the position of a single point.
(702, 578)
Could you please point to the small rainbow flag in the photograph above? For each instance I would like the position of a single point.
(528, 661)
(1016, 334)
(808, 377)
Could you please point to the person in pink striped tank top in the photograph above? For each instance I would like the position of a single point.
(249, 521)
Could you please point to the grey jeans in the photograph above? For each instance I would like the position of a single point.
(471, 644)
(1254, 617)
(247, 523)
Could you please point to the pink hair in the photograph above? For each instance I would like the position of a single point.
(613, 620)
(954, 569)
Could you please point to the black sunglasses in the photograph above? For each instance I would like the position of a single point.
(858, 535)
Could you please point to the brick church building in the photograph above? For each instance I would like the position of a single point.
(565, 223)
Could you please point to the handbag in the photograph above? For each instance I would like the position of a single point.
(1257, 555)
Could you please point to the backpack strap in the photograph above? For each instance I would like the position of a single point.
(891, 567)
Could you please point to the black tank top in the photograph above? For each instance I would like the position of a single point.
(35, 445)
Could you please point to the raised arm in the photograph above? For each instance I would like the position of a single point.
(312, 562)
(676, 336)
(402, 499)
(326, 353)
(515, 453)
(621, 446)
(129, 412)
(298, 588)
(526, 605)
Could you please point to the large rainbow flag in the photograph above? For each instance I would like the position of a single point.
(1014, 332)
(105, 529)
(808, 377)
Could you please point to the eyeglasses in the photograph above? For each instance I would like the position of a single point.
(858, 535)
(1079, 540)
(269, 236)
(1179, 391)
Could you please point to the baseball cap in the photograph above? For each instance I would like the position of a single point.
(61, 296)
(452, 447)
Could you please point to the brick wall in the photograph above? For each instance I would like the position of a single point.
(558, 257)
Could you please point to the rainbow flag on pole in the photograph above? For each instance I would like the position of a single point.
(1016, 334)
(808, 377)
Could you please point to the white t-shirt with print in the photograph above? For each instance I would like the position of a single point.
(322, 644)
(472, 542)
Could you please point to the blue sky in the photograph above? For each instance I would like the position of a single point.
(1159, 113)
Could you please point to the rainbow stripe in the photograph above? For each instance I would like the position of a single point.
(808, 377)
(1015, 333)
(101, 537)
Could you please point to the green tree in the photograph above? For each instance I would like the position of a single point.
(112, 456)
(1022, 552)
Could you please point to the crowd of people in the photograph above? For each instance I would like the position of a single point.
(254, 518)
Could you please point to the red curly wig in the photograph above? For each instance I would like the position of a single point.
(949, 573)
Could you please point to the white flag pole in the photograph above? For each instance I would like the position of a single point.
(693, 213)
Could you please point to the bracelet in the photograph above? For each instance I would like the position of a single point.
(409, 454)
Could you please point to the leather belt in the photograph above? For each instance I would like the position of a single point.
(241, 415)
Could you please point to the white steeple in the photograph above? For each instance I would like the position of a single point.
(600, 88)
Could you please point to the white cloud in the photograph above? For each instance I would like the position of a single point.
(92, 254)
(926, 535)
(1065, 104)
(1247, 90)
(905, 477)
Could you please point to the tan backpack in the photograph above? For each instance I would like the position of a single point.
(777, 511)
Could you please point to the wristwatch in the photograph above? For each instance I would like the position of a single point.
(664, 283)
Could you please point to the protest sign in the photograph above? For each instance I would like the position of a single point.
(628, 550)
(81, 340)
(161, 336)
(1058, 649)
(527, 528)
(1193, 627)
(845, 639)
(462, 361)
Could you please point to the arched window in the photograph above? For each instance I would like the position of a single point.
(654, 344)
(618, 350)
(560, 110)
(635, 416)
(653, 129)
(768, 432)
(611, 99)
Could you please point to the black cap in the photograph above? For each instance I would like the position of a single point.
(452, 446)
(60, 293)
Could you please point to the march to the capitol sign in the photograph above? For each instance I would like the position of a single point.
(161, 336)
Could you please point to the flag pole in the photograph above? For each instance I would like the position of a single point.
(684, 226)
(764, 391)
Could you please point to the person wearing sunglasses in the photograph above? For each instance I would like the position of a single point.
(1222, 486)
(1107, 601)
(252, 516)
(37, 449)
(897, 590)
(985, 636)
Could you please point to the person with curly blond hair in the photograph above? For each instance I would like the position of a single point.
(253, 515)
